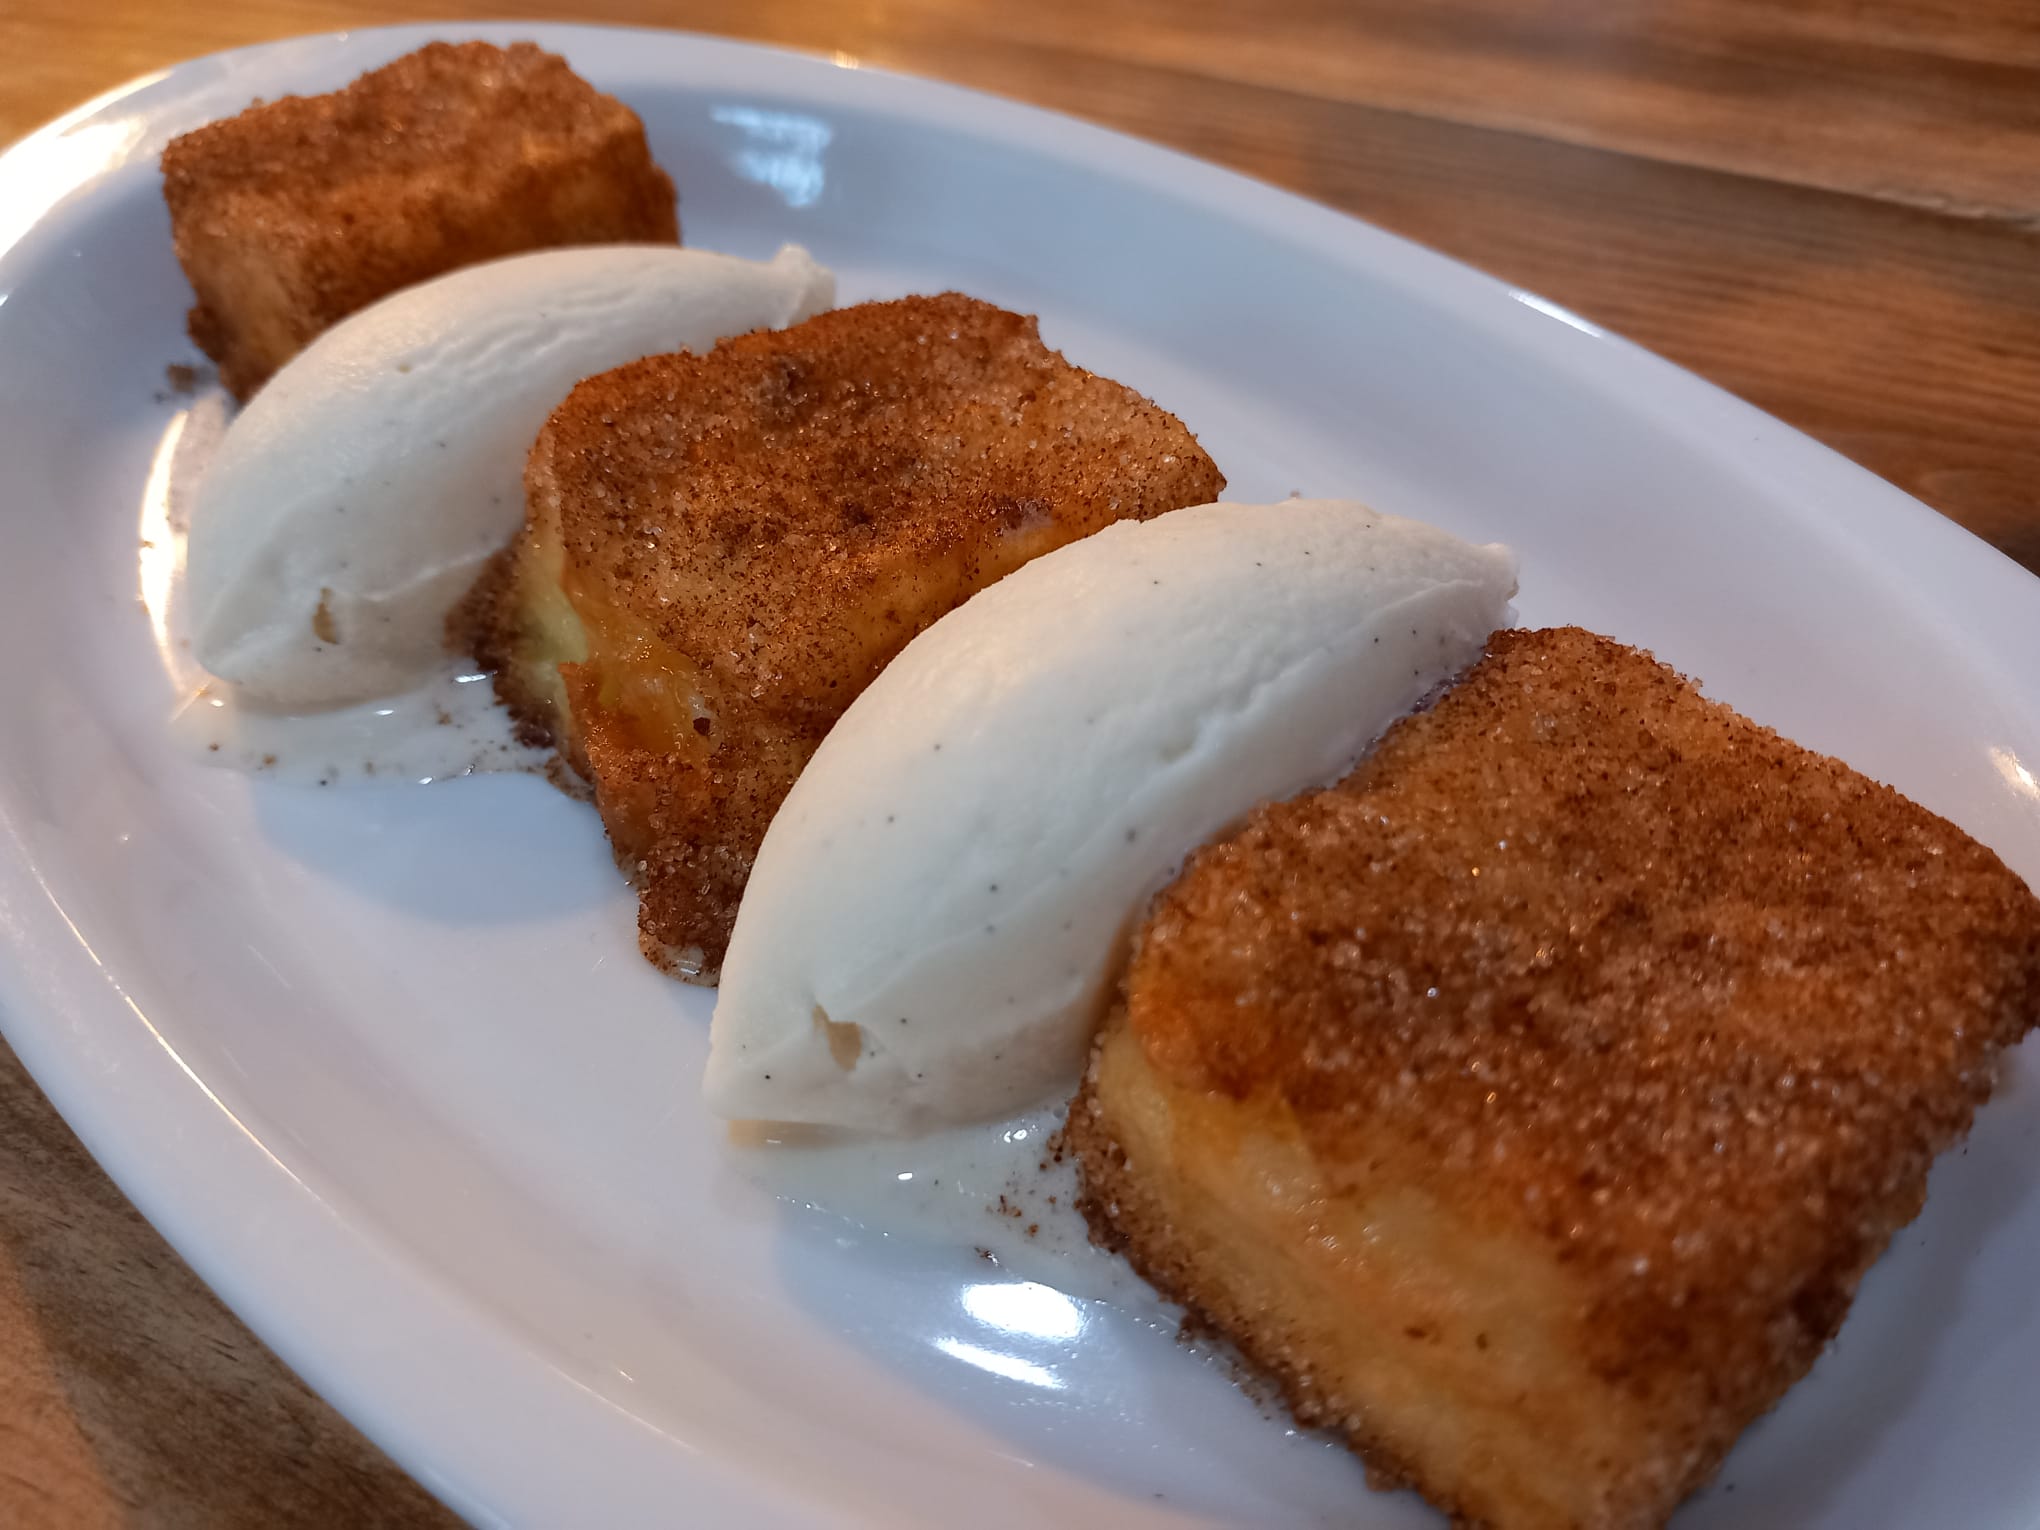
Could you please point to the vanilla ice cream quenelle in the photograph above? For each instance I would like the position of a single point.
(355, 499)
(936, 915)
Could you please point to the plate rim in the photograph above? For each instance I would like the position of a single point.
(94, 1051)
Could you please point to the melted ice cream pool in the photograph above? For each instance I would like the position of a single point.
(450, 725)
(999, 1188)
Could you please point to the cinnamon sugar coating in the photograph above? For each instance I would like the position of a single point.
(1621, 980)
(299, 211)
(746, 537)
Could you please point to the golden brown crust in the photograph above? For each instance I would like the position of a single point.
(1592, 962)
(746, 537)
(299, 211)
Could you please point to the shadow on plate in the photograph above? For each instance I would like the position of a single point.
(483, 850)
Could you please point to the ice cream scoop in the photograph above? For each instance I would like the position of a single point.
(935, 917)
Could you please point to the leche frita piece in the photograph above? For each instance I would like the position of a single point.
(721, 551)
(299, 211)
(1529, 1104)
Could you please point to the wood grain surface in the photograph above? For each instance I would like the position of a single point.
(1831, 207)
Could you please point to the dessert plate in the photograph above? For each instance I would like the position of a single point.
(383, 1063)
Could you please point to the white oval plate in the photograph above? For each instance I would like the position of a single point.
(382, 1061)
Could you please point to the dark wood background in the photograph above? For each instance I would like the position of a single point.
(1830, 207)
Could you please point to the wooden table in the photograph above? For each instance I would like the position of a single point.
(1831, 207)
